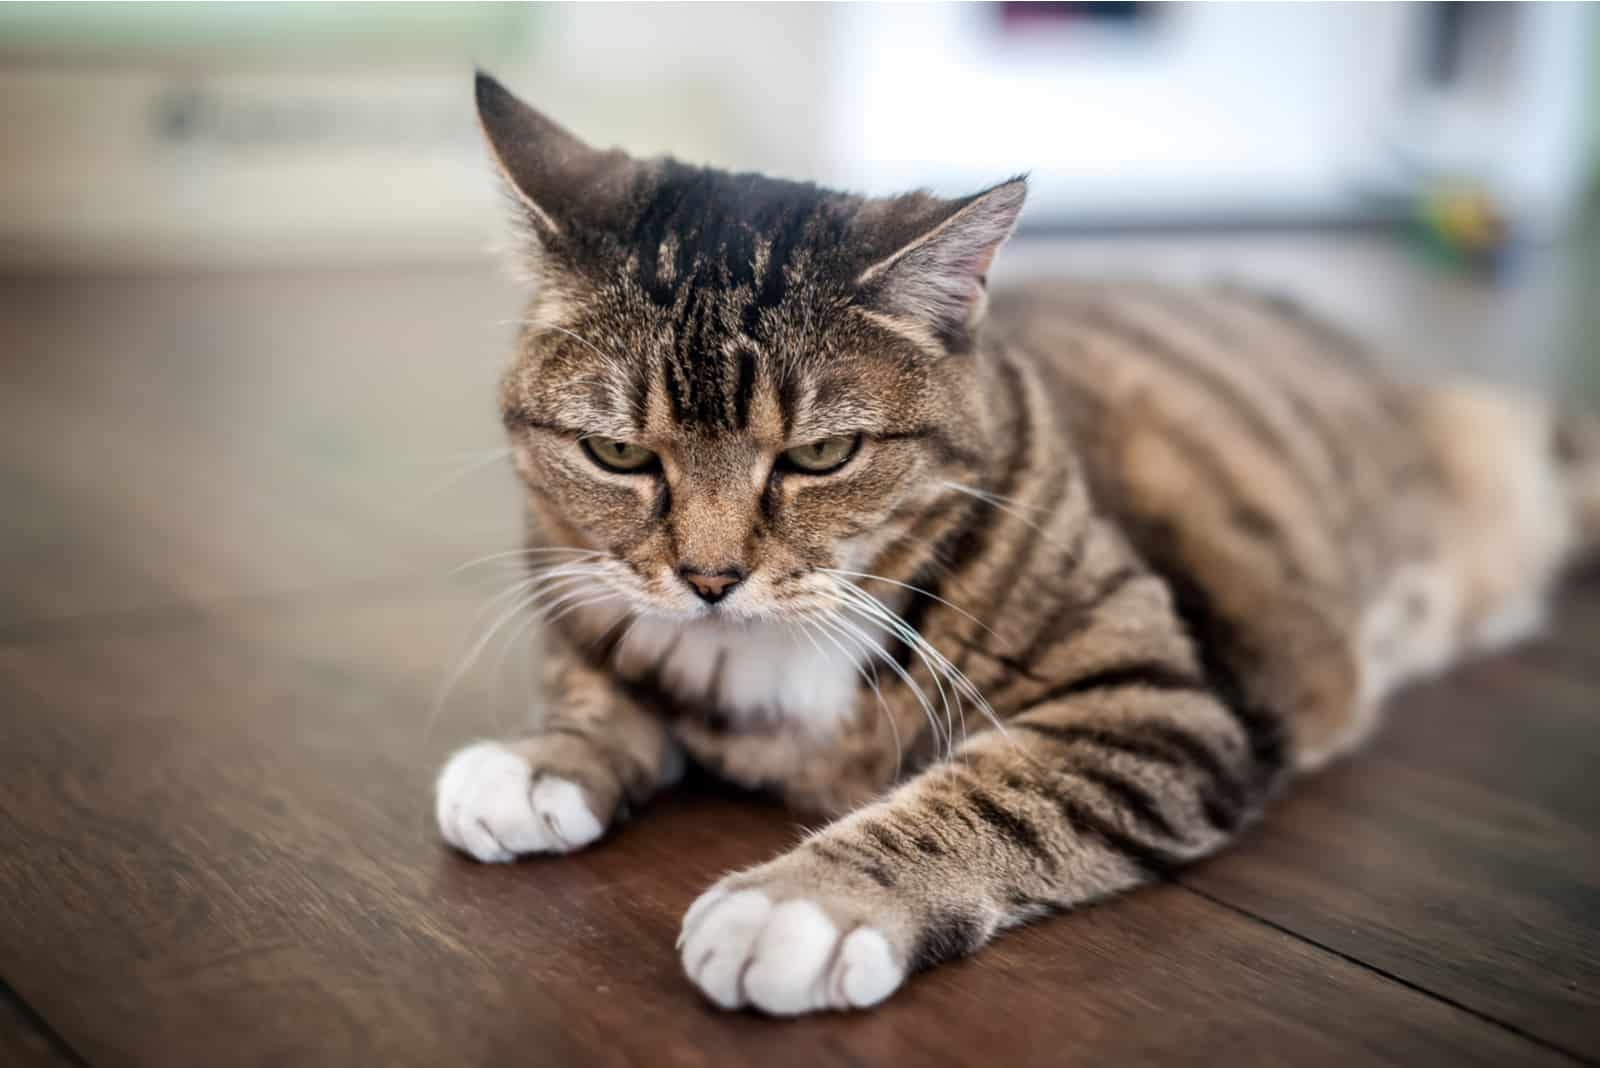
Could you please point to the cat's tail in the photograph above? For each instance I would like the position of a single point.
(1575, 447)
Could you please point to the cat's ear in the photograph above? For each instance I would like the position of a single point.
(556, 179)
(939, 277)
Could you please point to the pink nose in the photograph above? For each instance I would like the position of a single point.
(712, 586)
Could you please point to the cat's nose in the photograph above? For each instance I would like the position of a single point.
(712, 586)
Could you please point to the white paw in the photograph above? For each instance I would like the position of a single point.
(489, 805)
(741, 949)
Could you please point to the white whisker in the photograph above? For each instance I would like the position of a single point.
(922, 698)
(1013, 509)
(827, 628)
(914, 589)
(524, 553)
(938, 664)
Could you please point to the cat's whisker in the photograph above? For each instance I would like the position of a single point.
(478, 464)
(563, 580)
(520, 599)
(871, 608)
(533, 585)
(907, 586)
(958, 679)
(580, 604)
(521, 595)
(1014, 510)
(875, 651)
(894, 665)
(591, 346)
(868, 670)
(528, 552)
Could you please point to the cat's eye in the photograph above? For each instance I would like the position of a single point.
(621, 456)
(820, 457)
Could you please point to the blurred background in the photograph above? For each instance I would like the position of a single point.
(239, 136)
(244, 133)
(273, 228)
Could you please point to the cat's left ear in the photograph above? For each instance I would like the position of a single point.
(939, 279)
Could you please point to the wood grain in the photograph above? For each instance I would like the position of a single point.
(223, 830)
(1460, 851)
(169, 443)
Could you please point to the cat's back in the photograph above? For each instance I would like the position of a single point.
(1269, 440)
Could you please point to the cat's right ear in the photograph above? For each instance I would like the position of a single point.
(554, 177)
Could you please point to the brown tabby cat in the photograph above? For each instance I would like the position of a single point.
(1041, 607)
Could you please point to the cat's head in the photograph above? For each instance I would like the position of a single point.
(728, 384)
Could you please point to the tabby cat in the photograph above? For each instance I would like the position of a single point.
(1041, 595)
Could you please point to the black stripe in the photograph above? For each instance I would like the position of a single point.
(638, 392)
(951, 546)
(1147, 674)
(944, 446)
(1146, 342)
(519, 418)
(1123, 741)
(1224, 652)
(1198, 450)
(1013, 665)
(769, 496)
(880, 834)
(1329, 439)
(745, 390)
(1132, 796)
(1222, 798)
(675, 390)
(1149, 856)
(965, 542)
(1020, 901)
(1155, 861)
(873, 870)
(1013, 826)
(788, 397)
(948, 813)
(1070, 617)
(948, 935)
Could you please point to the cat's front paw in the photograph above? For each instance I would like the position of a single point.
(494, 805)
(774, 943)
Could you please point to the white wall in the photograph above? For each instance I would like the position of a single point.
(1235, 108)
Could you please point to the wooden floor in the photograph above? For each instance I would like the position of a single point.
(229, 510)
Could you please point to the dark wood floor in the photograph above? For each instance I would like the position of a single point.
(229, 509)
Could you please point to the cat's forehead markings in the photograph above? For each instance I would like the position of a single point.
(763, 255)
(667, 259)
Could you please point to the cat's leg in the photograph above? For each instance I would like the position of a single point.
(1092, 789)
(558, 788)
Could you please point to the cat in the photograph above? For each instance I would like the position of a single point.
(1040, 595)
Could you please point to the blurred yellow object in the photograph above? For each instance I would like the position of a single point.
(1465, 218)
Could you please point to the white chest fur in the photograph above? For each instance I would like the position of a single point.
(754, 671)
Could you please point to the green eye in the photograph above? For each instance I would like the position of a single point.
(820, 457)
(614, 455)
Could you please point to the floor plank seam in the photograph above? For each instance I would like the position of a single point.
(60, 1046)
(1392, 977)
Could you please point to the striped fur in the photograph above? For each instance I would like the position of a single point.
(1182, 542)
